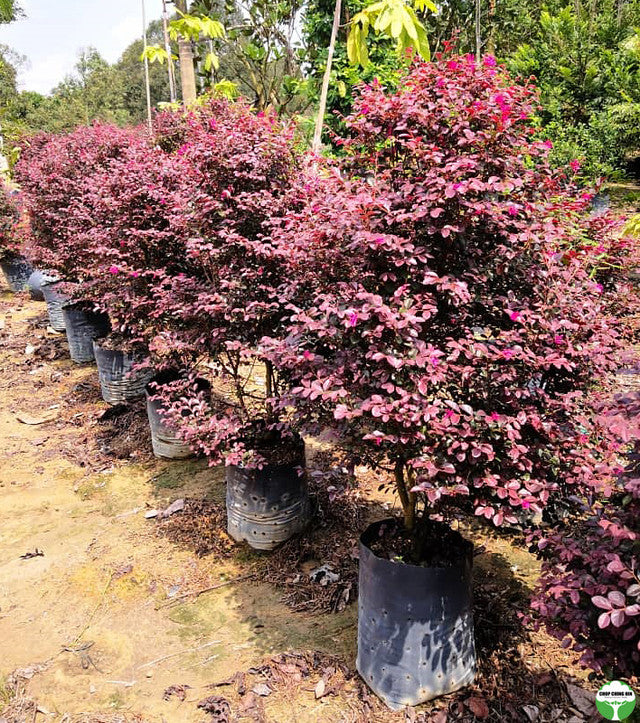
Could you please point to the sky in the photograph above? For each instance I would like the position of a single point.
(53, 32)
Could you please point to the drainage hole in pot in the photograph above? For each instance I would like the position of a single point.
(408, 677)
(263, 500)
(254, 498)
(373, 620)
(245, 504)
(385, 613)
(274, 508)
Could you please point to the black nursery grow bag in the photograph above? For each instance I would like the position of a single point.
(268, 505)
(119, 382)
(415, 625)
(165, 440)
(17, 271)
(55, 301)
(82, 328)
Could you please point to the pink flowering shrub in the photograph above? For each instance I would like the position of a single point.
(589, 591)
(55, 174)
(441, 333)
(244, 167)
(10, 221)
(130, 234)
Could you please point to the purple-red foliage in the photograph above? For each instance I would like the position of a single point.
(55, 174)
(130, 235)
(10, 221)
(456, 344)
(589, 591)
(244, 167)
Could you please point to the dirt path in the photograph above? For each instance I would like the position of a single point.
(92, 623)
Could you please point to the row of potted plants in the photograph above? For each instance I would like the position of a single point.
(418, 301)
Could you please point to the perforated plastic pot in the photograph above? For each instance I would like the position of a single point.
(82, 328)
(267, 506)
(164, 438)
(55, 301)
(16, 270)
(118, 382)
(415, 625)
(34, 284)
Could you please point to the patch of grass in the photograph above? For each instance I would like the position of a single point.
(6, 694)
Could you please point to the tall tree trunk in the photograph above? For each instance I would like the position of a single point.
(167, 47)
(187, 70)
(317, 136)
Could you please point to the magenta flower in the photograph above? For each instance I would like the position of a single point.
(558, 339)
(575, 165)
(526, 504)
(515, 316)
(490, 61)
(135, 274)
(508, 353)
(114, 270)
(548, 144)
(307, 354)
(494, 417)
(512, 211)
(353, 318)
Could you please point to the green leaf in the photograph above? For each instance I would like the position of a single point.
(211, 61)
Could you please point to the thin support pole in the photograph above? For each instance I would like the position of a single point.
(146, 69)
(317, 136)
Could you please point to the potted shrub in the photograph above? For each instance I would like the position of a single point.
(225, 302)
(444, 338)
(137, 236)
(16, 268)
(55, 173)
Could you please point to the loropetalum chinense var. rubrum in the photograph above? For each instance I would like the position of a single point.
(445, 333)
(244, 167)
(455, 349)
(130, 233)
(589, 590)
(10, 236)
(55, 174)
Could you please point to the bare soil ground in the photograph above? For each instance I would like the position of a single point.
(106, 616)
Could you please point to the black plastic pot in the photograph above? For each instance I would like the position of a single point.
(55, 301)
(119, 384)
(267, 506)
(415, 625)
(82, 328)
(165, 440)
(35, 283)
(16, 271)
